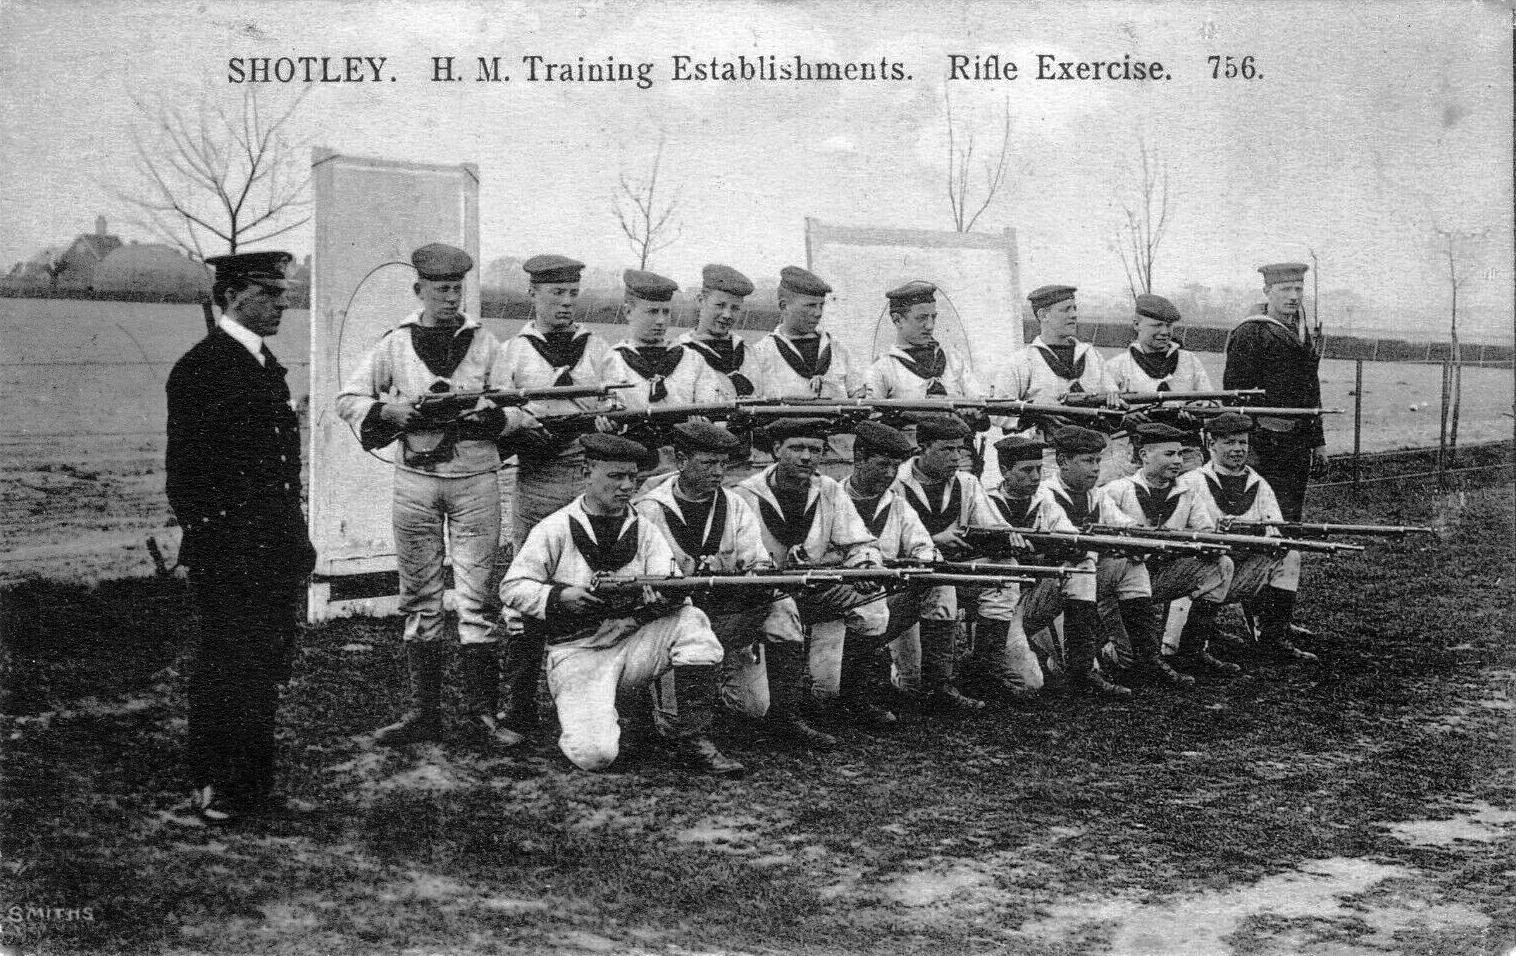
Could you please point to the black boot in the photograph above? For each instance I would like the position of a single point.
(1275, 612)
(938, 653)
(1194, 655)
(1144, 620)
(519, 673)
(1081, 631)
(865, 678)
(481, 698)
(990, 677)
(423, 721)
(695, 706)
(790, 701)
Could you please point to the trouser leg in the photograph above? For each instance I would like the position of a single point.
(473, 510)
(417, 517)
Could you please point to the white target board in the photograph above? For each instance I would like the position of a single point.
(369, 214)
(978, 280)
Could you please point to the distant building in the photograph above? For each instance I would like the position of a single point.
(153, 272)
(69, 270)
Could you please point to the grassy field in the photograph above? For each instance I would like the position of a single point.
(1360, 806)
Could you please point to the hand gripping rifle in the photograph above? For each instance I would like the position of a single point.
(635, 600)
(1241, 542)
(445, 410)
(1297, 529)
(997, 543)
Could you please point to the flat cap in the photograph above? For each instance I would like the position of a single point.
(1228, 423)
(1157, 307)
(726, 279)
(599, 446)
(703, 436)
(441, 262)
(1283, 272)
(781, 428)
(1014, 448)
(912, 293)
(941, 428)
(877, 438)
(265, 268)
(1152, 433)
(1047, 295)
(1075, 440)
(802, 282)
(553, 268)
(649, 286)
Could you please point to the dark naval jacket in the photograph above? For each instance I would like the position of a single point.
(233, 462)
(1263, 352)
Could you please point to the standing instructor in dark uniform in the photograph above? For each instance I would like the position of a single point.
(1274, 351)
(234, 483)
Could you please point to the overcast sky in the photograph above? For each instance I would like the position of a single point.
(1373, 124)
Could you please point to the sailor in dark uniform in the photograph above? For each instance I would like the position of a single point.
(233, 469)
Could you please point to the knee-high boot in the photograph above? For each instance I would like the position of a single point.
(423, 720)
(1081, 632)
(1276, 610)
(1199, 629)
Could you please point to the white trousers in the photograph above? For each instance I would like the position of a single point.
(585, 678)
(430, 513)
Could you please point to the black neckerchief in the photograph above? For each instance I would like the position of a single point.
(602, 557)
(787, 527)
(1078, 517)
(562, 349)
(725, 356)
(655, 363)
(806, 357)
(873, 516)
(1156, 365)
(689, 530)
(441, 348)
(1017, 513)
(935, 519)
(926, 362)
(1158, 504)
(1069, 370)
(1232, 493)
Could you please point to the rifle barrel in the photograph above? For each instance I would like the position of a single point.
(1262, 411)
(1297, 527)
(708, 582)
(991, 567)
(1244, 541)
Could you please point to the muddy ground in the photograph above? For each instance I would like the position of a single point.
(1361, 805)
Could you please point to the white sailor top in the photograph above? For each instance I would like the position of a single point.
(785, 372)
(829, 529)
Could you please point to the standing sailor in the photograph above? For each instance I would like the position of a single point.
(446, 494)
(798, 359)
(918, 366)
(1275, 352)
(725, 370)
(1056, 363)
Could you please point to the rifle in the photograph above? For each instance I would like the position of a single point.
(1242, 542)
(944, 406)
(989, 567)
(443, 410)
(714, 582)
(997, 543)
(925, 574)
(1158, 398)
(1257, 411)
(576, 422)
(1296, 529)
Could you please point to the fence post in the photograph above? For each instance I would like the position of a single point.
(1442, 430)
(1357, 417)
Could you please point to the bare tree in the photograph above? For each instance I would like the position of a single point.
(1453, 248)
(645, 219)
(961, 167)
(1146, 208)
(219, 179)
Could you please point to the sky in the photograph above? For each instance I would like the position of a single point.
(1371, 127)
